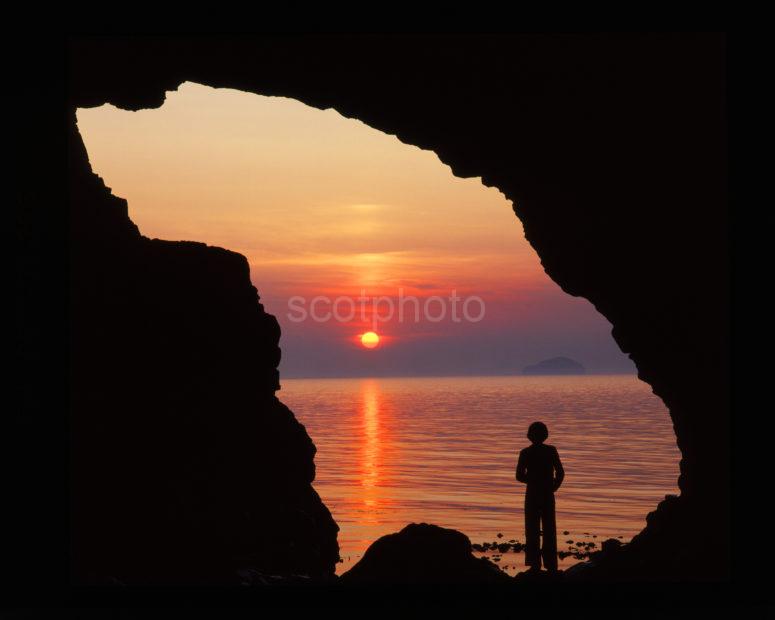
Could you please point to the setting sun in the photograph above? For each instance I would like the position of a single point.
(370, 340)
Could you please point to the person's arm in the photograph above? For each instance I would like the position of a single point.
(521, 468)
(559, 472)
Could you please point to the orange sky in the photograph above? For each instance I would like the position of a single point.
(324, 205)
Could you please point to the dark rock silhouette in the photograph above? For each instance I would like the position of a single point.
(601, 562)
(616, 561)
(540, 577)
(613, 149)
(185, 468)
(555, 366)
(423, 553)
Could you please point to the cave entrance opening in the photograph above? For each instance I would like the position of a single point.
(420, 334)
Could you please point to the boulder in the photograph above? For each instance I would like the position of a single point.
(446, 558)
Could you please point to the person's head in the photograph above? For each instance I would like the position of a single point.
(537, 432)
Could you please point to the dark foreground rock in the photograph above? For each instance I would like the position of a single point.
(541, 577)
(609, 146)
(185, 468)
(423, 553)
(659, 552)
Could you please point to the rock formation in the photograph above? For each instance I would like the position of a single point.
(185, 468)
(613, 150)
(555, 366)
(423, 554)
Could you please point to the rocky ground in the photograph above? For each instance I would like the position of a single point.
(508, 553)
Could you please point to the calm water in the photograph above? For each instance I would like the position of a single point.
(443, 451)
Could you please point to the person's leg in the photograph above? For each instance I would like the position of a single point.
(532, 529)
(549, 527)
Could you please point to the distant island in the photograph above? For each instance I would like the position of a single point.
(555, 366)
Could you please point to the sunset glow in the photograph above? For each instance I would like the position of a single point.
(328, 210)
(407, 299)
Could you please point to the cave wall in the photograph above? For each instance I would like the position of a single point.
(612, 149)
(184, 466)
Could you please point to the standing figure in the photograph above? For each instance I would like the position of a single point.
(540, 468)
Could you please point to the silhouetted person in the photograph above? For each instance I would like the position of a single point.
(540, 468)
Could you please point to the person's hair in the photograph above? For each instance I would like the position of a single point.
(537, 432)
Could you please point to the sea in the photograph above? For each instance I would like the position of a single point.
(443, 450)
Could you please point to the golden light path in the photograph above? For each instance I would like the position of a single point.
(370, 448)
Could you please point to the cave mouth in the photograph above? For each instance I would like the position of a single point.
(288, 221)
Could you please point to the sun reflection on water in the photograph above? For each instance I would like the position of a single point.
(369, 462)
(443, 451)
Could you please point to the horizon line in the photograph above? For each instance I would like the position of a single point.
(451, 376)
